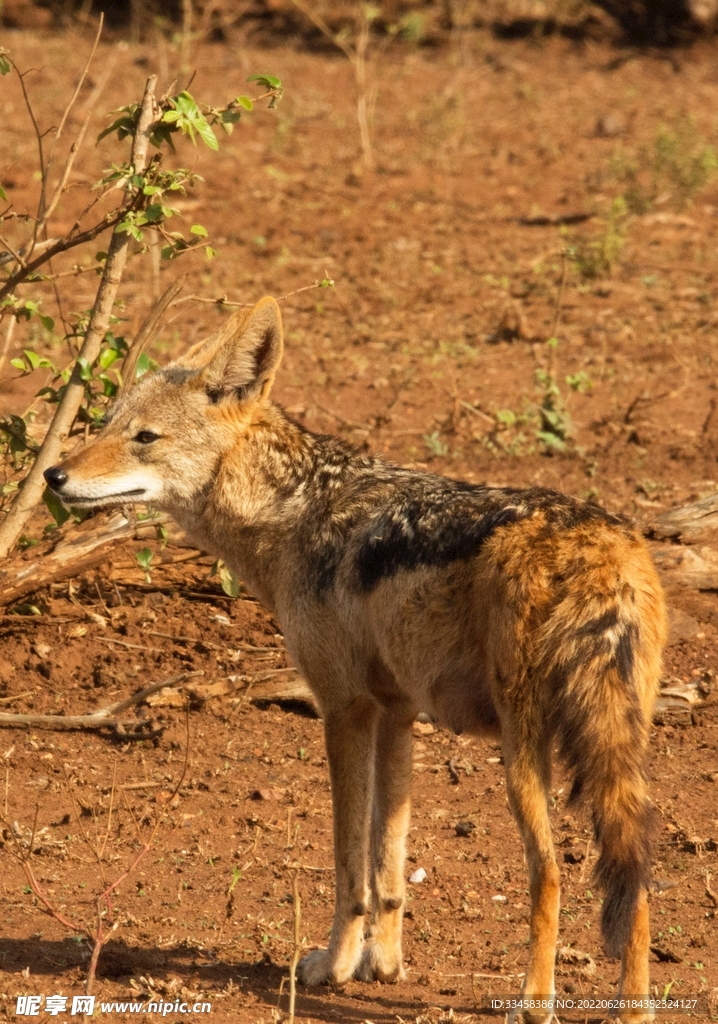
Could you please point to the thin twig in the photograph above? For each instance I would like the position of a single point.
(124, 643)
(557, 314)
(104, 897)
(709, 892)
(222, 300)
(60, 187)
(41, 155)
(147, 331)
(16, 696)
(93, 849)
(102, 718)
(297, 944)
(109, 813)
(321, 24)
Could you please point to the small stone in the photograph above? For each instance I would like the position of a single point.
(417, 876)
(464, 828)
(611, 124)
(423, 729)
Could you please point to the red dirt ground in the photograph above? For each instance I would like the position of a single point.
(408, 355)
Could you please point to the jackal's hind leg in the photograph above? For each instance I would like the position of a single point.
(382, 958)
(527, 779)
(350, 739)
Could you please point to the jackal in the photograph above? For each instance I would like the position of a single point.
(525, 614)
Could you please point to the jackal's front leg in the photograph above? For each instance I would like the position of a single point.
(350, 737)
(382, 959)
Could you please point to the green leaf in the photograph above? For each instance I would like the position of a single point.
(5, 66)
(33, 358)
(85, 368)
(144, 365)
(124, 125)
(144, 558)
(197, 229)
(107, 357)
(154, 213)
(3, 194)
(57, 510)
(47, 322)
(209, 252)
(25, 609)
(229, 582)
(109, 388)
(19, 364)
(268, 81)
(244, 101)
(204, 130)
(50, 395)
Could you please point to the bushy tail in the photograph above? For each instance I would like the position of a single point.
(602, 661)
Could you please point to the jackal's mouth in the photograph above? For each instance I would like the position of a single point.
(83, 501)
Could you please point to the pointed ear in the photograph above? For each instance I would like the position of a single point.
(243, 365)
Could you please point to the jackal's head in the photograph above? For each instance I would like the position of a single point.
(168, 433)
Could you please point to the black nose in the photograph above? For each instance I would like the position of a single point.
(56, 477)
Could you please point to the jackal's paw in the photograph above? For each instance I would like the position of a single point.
(318, 968)
(377, 965)
(315, 968)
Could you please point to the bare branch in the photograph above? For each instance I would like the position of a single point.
(148, 330)
(103, 718)
(321, 24)
(39, 137)
(59, 245)
(66, 411)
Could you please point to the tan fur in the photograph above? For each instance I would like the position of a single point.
(523, 614)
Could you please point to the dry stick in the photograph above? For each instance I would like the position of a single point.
(8, 341)
(148, 330)
(364, 100)
(41, 154)
(44, 215)
(104, 897)
(93, 849)
(222, 300)
(709, 892)
(66, 411)
(78, 551)
(357, 59)
(100, 719)
(557, 314)
(186, 40)
(297, 945)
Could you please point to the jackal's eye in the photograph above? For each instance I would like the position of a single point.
(146, 437)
